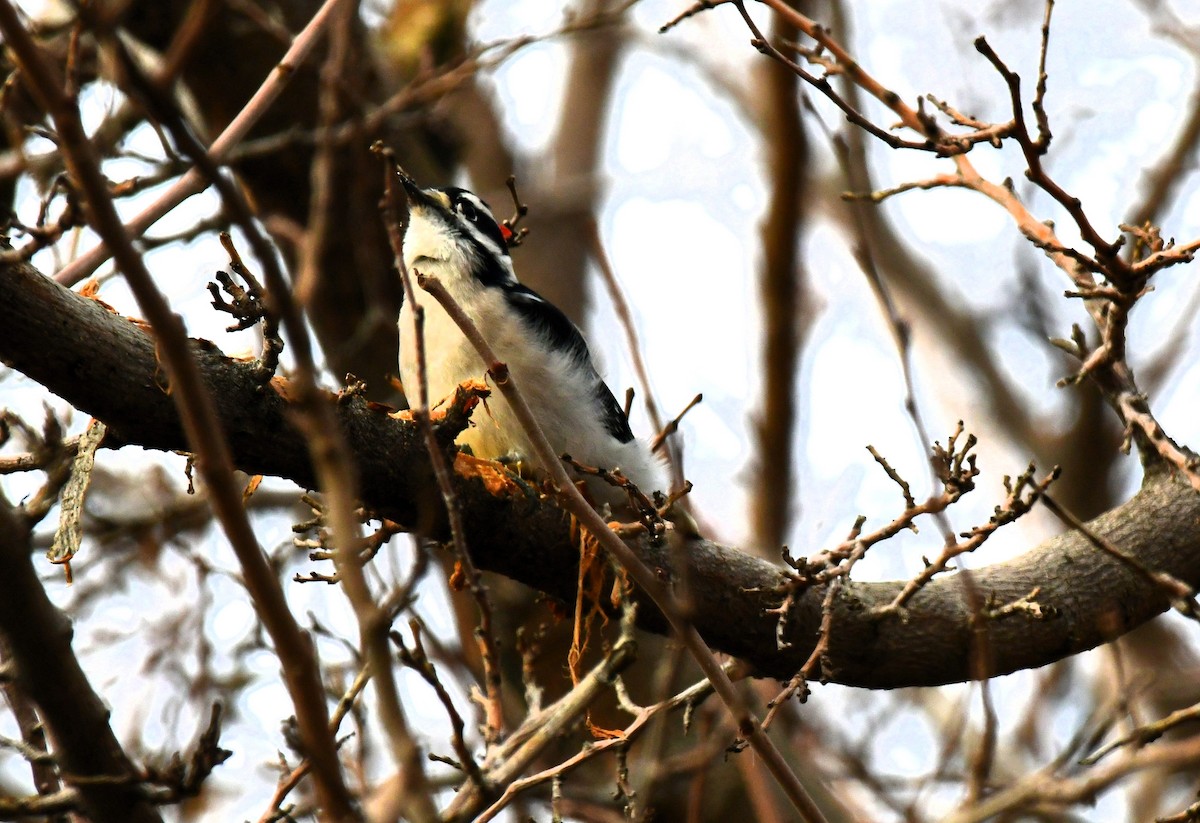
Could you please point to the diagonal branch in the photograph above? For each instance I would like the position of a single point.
(646, 578)
(194, 181)
(197, 414)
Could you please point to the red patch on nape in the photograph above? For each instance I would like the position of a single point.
(506, 233)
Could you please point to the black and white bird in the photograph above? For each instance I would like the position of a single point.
(453, 236)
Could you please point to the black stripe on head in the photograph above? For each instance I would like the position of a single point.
(473, 221)
(475, 214)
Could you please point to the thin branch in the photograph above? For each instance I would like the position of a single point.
(625, 316)
(197, 414)
(419, 400)
(1109, 307)
(1144, 734)
(1022, 495)
(571, 500)
(1181, 596)
(1047, 790)
(194, 181)
(417, 660)
(1033, 151)
(324, 167)
(532, 542)
(292, 779)
(687, 698)
(1039, 94)
(545, 727)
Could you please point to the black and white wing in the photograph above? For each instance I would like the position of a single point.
(546, 319)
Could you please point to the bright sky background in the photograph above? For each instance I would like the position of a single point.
(680, 219)
(685, 195)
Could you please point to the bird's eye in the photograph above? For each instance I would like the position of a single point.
(468, 211)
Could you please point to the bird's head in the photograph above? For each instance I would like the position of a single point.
(452, 233)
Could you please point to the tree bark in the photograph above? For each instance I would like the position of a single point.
(104, 364)
(38, 637)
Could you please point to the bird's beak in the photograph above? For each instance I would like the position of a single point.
(419, 197)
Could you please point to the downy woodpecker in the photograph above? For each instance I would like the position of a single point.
(453, 236)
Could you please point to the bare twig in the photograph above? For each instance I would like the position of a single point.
(1033, 151)
(1046, 789)
(1181, 596)
(416, 659)
(198, 416)
(1147, 733)
(542, 728)
(672, 426)
(799, 681)
(292, 779)
(571, 499)
(625, 315)
(194, 181)
(419, 402)
(1109, 306)
(321, 176)
(514, 233)
(1022, 495)
(1039, 94)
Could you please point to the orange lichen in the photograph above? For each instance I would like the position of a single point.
(458, 578)
(91, 290)
(600, 733)
(496, 479)
(251, 487)
(282, 387)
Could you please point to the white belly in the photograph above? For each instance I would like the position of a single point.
(543, 376)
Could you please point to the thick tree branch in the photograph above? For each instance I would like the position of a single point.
(213, 460)
(105, 365)
(39, 638)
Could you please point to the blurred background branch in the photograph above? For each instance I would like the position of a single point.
(704, 178)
